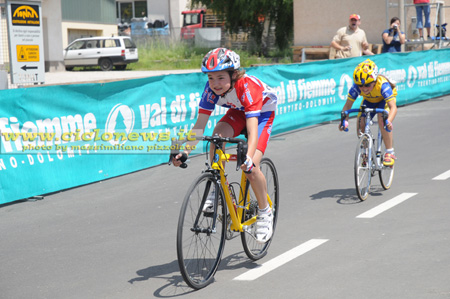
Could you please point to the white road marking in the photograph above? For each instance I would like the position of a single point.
(386, 205)
(280, 260)
(443, 176)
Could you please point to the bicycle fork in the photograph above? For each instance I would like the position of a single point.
(211, 229)
(378, 153)
(375, 161)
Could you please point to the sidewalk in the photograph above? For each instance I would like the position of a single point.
(78, 77)
(94, 76)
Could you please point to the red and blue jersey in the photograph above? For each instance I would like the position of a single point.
(249, 94)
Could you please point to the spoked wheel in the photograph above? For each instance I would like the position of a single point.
(200, 235)
(363, 165)
(253, 249)
(386, 174)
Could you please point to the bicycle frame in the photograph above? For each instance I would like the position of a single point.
(368, 133)
(235, 209)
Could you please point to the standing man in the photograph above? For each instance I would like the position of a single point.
(351, 41)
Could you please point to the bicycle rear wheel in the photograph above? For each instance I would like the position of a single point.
(386, 173)
(201, 235)
(253, 249)
(362, 168)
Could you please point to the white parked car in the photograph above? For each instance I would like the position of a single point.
(105, 52)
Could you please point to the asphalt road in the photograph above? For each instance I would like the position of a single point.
(116, 238)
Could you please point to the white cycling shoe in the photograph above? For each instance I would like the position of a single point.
(264, 227)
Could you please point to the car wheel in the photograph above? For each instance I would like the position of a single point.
(105, 64)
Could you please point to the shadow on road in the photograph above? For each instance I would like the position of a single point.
(170, 272)
(237, 261)
(175, 285)
(345, 196)
(342, 196)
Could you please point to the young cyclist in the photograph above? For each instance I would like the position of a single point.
(377, 92)
(252, 106)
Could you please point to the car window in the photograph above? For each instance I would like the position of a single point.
(77, 45)
(91, 44)
(129, 43)
(111, 43)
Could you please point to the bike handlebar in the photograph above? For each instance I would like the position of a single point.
(364, 109)
(218, 141)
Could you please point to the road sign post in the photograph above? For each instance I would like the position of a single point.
(26, 42)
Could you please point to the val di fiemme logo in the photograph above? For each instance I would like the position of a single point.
(25, 15)
(122, 118)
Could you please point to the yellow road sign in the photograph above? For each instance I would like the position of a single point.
(27, 53)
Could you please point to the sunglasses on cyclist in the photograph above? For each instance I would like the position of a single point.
(365, 85)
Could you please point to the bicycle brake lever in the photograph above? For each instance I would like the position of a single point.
(241, 154)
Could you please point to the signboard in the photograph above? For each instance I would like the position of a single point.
(26, 42)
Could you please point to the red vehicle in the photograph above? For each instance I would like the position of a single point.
(192, 19)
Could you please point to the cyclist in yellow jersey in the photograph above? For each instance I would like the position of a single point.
(377, 92)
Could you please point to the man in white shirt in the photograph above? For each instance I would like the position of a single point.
(351, 41)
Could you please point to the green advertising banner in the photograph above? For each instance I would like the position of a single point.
(58, 137)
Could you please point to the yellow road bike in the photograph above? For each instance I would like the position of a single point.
(201, 234)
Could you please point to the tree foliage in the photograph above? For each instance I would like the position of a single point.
(248, 14)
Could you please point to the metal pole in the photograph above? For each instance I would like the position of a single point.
(170, 20)
(388, 5)
(439, 21)
(402, 16)
(387, 13)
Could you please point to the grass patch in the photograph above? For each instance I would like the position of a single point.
(164, 55)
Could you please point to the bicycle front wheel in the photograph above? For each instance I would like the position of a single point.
(386, 174)
(362, 168)
(253, 249)
(201, 235)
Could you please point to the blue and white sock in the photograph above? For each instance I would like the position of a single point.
(390, 151)
(266, 210)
